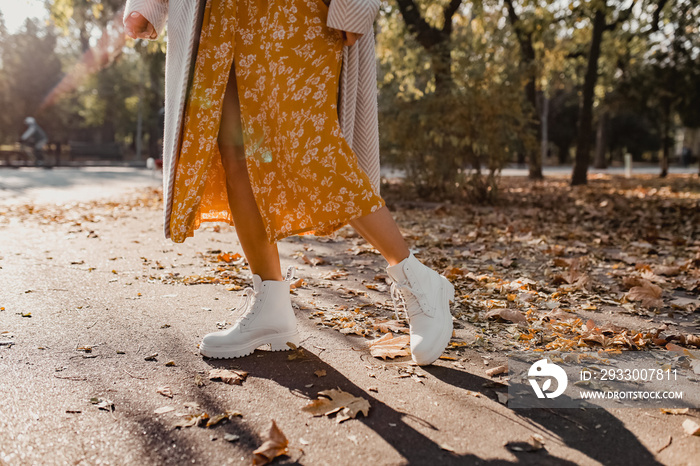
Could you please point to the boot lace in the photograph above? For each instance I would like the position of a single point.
(250, 295)
(403, 300)
(248, 302)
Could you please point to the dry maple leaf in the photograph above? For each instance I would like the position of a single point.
(297, 284)
(509, 315)
(648, 294)
(346, 405)
(313, 261)
(388, 326)
(226, 257)
(389, 347)
(275, 445)
(631, 282)
(690, 339)
(227, 376)
(191, 420)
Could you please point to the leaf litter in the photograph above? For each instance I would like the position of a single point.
(333, 401)
(231, 377)
(275, 445)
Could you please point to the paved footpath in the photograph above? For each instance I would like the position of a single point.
(89, 294)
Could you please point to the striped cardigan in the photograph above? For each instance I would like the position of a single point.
(357, 106)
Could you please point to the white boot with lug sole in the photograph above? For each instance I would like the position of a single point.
(268, 320)
(425, 296)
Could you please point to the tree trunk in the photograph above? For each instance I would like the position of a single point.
(563, 154)
(601, 143)
(665, 139)
(441, 60)
(583, 144)
(528, 62)
(435, 41)
(545, 130)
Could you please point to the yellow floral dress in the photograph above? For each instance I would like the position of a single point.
(303, 173)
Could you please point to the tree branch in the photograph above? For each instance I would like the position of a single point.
(447, 15)
(657, 14)
(621, 18)
(426, 35)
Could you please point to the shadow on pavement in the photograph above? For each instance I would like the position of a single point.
(577, 428)
(415, 447)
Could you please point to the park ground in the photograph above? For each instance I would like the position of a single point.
(100, 318)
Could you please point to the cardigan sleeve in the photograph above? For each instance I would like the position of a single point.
(352, 15)
(155, 11)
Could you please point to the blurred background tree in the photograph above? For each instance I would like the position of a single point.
(84, 81)
(466, 87)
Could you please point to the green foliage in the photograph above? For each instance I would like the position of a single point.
(29, 69)
(443, 140)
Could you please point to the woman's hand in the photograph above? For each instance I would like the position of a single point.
(350, 37)
(138, 27)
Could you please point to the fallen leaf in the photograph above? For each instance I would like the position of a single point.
(191, 420)
(214, 420)
(230, 377)
(388, 326)
(508, 315)
(674, 410)
(165, 391)
(389, 347)
(648, 294)
(696, 366)
(297, 284)
(102, 403)
(297, 352)
(691, 340)
(346, 405)
(536, 441)
(226, 257)
(275, 445)
(497, 370)
(313, 261)
(691, 427)
(320, 373)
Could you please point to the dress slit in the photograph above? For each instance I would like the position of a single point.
(304, 175)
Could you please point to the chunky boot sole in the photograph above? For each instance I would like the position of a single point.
(277, 342)
(448, 295)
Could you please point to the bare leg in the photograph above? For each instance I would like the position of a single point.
(262, 256)
(380, 230)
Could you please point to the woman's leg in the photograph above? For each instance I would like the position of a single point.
(262, 256)
(381, 231)
(426, 295)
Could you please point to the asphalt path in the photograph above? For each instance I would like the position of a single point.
(75, 279)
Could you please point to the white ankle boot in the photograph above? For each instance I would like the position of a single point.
(268, 319)
(426, 297)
